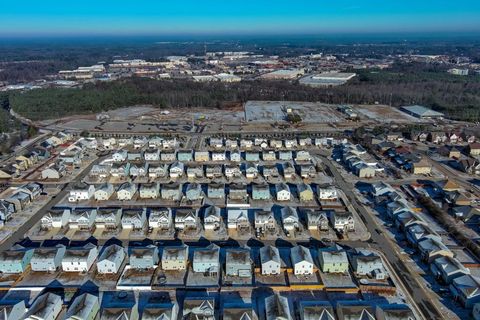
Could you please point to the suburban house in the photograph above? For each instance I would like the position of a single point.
(19, 199)
(168, 156)
(103, 192)
(157, 171)
(265, 221)
(138, 170)
(81, 191)
(212, 218)
(184, 155)
(290, 219)
(288, 170)
(193, 192)
(251, 170)
(219, 156)
(143, 257)
(302, 260)
(216, 191)
(333, 260)
(317, 220)
(276, 308)
(207, 260)
(238, 263)
(186, 219)
(474, 149)
(446, 268)
(342, 221)
(432, 247)
(134, 155)
(13, 310)
(269, 155)
(270, 260)
(285, 155)
(172, 191)
(134, 219)
(108, 218)
(7, 209)
(126, 191)
(303, 155)
(232, 171)
(261, 191)
(54, 171)
(290, 143)
(82, 219)
(307, 171)
(231, 143)
(355, 310)
(160, 218)
(305, 192)
(79, 259)
(85, 306)
(195, 171)
(320, 310)
(235, 155)
(120, 170)
(15, 259)
(252, 156)
(149, 190)
(213, 171)
(216, 143)
(282, 191)
(202, 156)
(47, 258)
(100, 171)
(55, 218)
(199, 308)
(246, 143)
(120, 156)
(270, 171)
(176, 170)
(175, 258)
(237, 219)
(466, 290)
(151, 154)
(46, 306)
(111, 259)
(327, 194)
(275, 143)
(237, 192)
(365, 262)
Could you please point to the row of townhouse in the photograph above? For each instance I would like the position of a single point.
(464, 286)
(17, 199)
(125, 305)
(160, 218)
(178, 169)
(356, 159)
(231, 143)
(153, 154)
(140, 142)
(238, 261)
(196, 191)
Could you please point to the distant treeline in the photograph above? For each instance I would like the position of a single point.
(457, 96)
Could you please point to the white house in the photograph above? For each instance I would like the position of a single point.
(283, 192)
(186, 219)
(120, 156)
(237, 219)
(81, 191)
(212, 218)
(342, 221)
(176, 170)
(111, 259)
(302, 261)
(327, 194)
(79, 259)
(103, 192)
(47, 258)
(82, 219)
(108, 218)
(366, 262)
(149, 190)
(270, 260)
(55, 218)
(126, 191)
(160, 218)
(291, 221)
(134, 219)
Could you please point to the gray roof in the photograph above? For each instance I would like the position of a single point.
(422, 111)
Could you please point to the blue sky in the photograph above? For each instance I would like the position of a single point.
(65, 17)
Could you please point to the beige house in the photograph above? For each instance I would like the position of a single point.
(422, 167)
(175, 258)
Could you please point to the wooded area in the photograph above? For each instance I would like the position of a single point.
(458, 97)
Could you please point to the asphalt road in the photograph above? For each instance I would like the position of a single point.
(418, 294)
